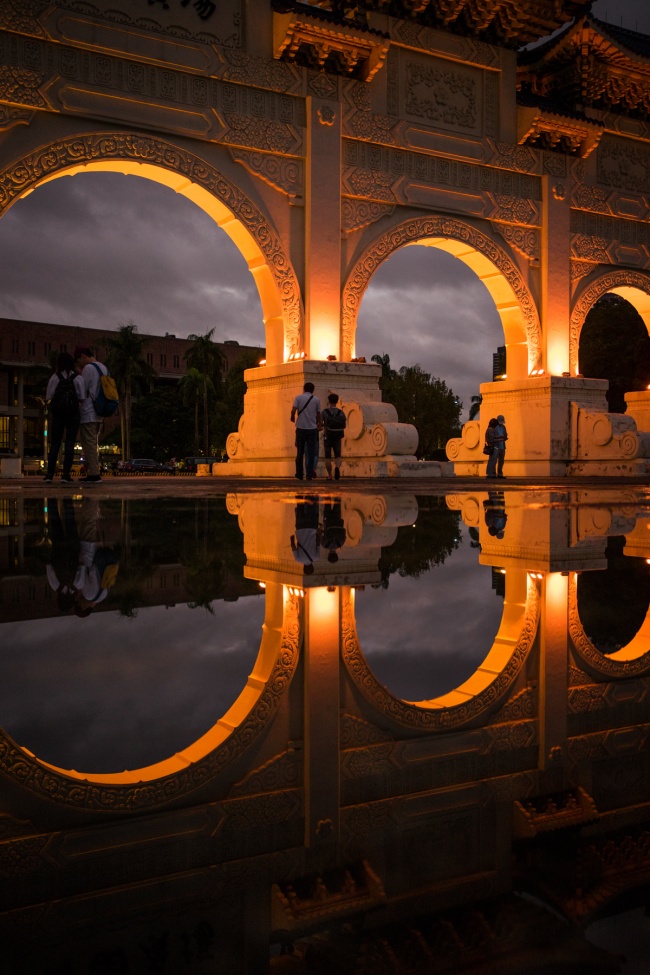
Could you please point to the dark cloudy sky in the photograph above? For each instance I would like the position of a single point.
(99, 249)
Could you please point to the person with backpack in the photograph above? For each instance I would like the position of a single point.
(94, 407)
(65, 390)
(334, 424)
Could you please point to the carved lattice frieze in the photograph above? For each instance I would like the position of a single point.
(624, 165)
(41, 75)
(420, 228)
(389, 175)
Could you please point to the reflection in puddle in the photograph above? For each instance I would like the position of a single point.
(364, 732)
(426, 634)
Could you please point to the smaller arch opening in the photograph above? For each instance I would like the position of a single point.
(615, 343)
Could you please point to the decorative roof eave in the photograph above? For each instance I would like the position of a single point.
(541, 127)
(360, 50)
(587, 64)
(505, 23)
(590, 37)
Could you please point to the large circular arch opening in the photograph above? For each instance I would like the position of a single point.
(209, 189)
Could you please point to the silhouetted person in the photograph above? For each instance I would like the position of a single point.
(334, 534)
(334, 423)
(65, 390)
(305, 544)
(495, 514)
(62, 567)
(500, 437)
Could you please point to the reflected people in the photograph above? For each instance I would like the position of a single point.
(334, 534)
(305, 543)
(64, 556)
(81, 569)
(98, 565)
(495, 513)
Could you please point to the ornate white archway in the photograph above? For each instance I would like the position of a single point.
(194, 178)
(492, 265)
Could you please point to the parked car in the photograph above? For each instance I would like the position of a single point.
(190, 463)
(147, 466)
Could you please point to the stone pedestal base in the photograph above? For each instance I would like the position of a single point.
(10, 467)
(557, 427)
(376, 444)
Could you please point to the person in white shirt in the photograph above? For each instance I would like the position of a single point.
(305, 413)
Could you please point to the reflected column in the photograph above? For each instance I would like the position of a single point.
(553, 668)
(322, 693)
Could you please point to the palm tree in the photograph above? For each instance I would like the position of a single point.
(193, 383)
(128, 368)
(475, 408)
(205, 357)
(384, 361)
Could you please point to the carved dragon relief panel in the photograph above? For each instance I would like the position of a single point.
(624, 164)
(414, 716)
(419, 228)
(590, 294)
(442, 95)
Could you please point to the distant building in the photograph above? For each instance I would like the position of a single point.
(26, 349)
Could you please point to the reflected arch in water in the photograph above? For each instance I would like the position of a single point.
(229, 737)
(192, 177)
(634, 286)
(476, 697)
(490, 262)
(632, 660)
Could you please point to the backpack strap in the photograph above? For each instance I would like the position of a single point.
(306, 405)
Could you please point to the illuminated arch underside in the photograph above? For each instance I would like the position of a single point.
(632, 660)
(634, 286)
(482, 255)
(192, 177)
(478, 695)
(229, 737)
